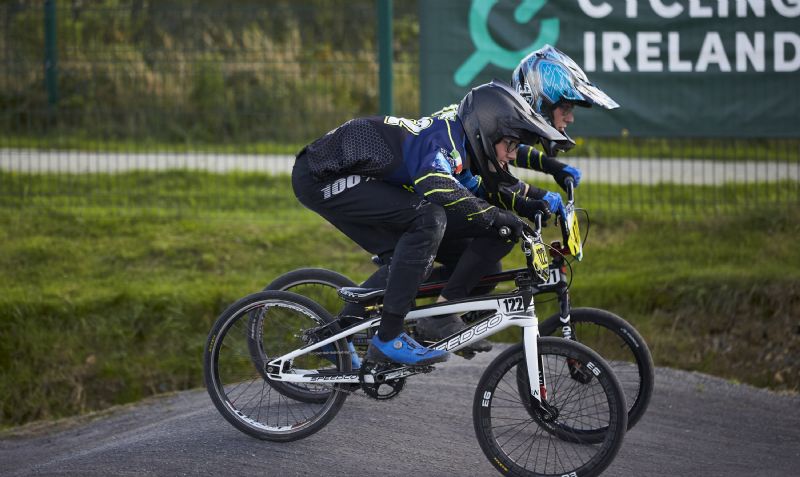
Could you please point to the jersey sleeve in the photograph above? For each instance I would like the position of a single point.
(473, 183)
(437, 184)
(528, 157)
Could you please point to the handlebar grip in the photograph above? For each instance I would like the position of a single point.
(570, 183)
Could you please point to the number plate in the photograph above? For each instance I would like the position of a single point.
(554, 278)
(574, 241)
(541, 261)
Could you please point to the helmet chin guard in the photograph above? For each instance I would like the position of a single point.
(493, 111)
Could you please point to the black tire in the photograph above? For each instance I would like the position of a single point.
(618, 342)
(321, 286)
(520, 445)
(239, 390)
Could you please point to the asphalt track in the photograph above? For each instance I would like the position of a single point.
(606, 170)
(696, 425)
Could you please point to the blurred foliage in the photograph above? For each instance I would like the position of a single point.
(235, 74)
(201, 72)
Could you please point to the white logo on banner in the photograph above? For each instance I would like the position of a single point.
(658, 52)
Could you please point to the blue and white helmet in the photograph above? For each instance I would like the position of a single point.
(548, 76)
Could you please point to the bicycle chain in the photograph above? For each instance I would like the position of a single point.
(352, 389)
(369, 390)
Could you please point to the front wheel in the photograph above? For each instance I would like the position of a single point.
(521, 443)
(279, 322)
(618, 342)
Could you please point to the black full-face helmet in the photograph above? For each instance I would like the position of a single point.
(493, 111)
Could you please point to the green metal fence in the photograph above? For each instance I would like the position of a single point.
(98, 99)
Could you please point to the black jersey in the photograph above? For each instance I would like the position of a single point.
(425, 155)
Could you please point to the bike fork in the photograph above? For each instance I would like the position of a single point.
(533, 361)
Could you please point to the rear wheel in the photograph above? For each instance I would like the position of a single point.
(319, 284)
(234, 369)
(620, 345)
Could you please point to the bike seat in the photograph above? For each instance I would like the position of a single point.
(362, 296)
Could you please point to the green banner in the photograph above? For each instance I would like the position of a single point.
(679, 68)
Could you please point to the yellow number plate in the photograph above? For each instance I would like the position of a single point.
(574, 242)
(541, 260)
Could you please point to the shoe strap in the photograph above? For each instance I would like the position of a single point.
(409, 341)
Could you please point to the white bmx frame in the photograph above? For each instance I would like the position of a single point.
(509, 310)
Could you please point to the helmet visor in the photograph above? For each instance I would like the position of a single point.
(595, 95)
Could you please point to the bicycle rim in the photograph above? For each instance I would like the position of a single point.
(517, 443)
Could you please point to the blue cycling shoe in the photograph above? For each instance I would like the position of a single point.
(355, 362)
(403, 350)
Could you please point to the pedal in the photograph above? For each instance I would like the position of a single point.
(422, 369)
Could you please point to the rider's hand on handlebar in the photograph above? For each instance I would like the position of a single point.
(506, 222)
(568, 172)
(555, 203)
(528, 208)
(526, 200)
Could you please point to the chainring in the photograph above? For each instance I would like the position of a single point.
(383, 390)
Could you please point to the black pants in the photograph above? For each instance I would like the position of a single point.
(468, 255)
(381, 218)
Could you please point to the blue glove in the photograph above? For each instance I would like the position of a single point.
(575, 173)
(565, 173)
(554, 202)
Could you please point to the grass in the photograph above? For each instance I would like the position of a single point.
(107, 297)
(720, 149)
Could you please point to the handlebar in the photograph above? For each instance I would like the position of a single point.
(505, 231)
(570, 183)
